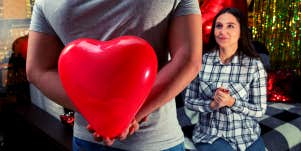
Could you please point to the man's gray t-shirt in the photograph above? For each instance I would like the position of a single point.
(108, 19)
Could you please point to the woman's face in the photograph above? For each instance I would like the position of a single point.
(227, 31)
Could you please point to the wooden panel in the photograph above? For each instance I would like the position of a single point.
(14, 9)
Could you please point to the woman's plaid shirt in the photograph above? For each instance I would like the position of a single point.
(246, 79)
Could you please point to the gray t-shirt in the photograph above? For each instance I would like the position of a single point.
(108, 19)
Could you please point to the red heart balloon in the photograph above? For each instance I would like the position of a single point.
(108, 81)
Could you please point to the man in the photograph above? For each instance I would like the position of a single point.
(172, 27)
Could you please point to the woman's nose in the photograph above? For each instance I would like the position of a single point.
(222, 31)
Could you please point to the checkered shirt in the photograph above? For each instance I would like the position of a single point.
(247, 81)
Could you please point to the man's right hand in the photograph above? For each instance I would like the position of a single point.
(107, 141)
(133, 127)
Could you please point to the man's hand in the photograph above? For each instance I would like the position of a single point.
(107, 141)
(132, 128)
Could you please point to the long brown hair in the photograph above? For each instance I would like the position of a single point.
(244, 43)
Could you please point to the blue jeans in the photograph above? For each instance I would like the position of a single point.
(82, 145)
(222, 145)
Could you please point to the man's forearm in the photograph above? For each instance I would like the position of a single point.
(50, 85)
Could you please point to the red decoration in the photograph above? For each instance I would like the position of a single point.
(224, 90)
(108, 81)
(210, 8)
(67, 119)
(280, 85)
(20, 46)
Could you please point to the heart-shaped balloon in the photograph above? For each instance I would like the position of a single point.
(108, 81)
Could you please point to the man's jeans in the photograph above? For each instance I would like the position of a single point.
(82, 145)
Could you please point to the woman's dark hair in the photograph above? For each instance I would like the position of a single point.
(244, 43)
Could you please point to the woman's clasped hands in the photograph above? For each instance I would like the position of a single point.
(221, 99)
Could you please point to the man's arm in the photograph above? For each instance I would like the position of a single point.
(185, 44)
(42, 66)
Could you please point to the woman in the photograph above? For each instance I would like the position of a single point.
(230, 90)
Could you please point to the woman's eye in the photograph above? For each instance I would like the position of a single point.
(231, 26)
(219, 26)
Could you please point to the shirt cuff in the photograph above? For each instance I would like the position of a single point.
(237, 106)
(208, 108)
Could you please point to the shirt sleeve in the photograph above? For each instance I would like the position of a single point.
(186, 7)
(194, 100)
(257, 103)
(39, 22)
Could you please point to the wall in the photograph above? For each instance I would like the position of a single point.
(14, 22)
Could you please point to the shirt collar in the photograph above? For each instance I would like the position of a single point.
(217, 60)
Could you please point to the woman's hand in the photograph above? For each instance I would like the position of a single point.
(222, 98)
